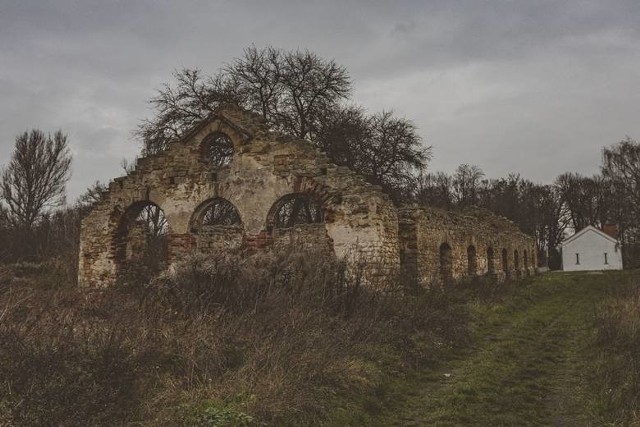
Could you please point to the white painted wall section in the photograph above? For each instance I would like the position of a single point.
(591, 249)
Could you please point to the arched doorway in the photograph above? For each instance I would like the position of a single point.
(140, 241)
(505, 263)
(472, 262)
(491, 266)
(446, 264)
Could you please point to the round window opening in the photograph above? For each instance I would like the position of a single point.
(216, 150)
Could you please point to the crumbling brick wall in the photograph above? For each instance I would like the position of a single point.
(265, 167)
(438, 246)
(244, 200)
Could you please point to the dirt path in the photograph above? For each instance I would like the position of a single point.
(525, 370)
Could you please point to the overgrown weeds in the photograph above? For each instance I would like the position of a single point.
(282, 338)
(617, 369)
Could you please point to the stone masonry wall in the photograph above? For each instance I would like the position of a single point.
(357, 216)
(358, 222)
(438, 246)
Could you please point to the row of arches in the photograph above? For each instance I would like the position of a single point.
(142, 232)
(472, 266)
(289, 211)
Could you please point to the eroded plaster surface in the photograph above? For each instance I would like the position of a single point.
(264, 171)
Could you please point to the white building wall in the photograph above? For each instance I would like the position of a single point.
(591, 247)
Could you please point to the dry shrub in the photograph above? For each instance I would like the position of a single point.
(618, 354)
(56, 369)
(285, 337)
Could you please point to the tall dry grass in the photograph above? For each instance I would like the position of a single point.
(282, 338)
(617, 374)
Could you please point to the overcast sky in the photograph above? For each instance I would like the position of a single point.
(535, 87)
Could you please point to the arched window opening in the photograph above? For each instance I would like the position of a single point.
(215, 213)
(217, 226)
(140, 240)
(446, 264)
(526, 261)
(216, 150)
(505, 262)
(472, 263)
(296, 209)
(490, 261)
(516, 261)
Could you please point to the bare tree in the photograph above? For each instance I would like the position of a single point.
(289, 89)
(621, 170)
(584, 198)
(386, 150)
(298, 93)
(91, 196)
(178, 108)
(435, 189)
(35, 178)
(466, 183)
(257, 78)
(342, 133)
(543, 216)
(311, 86)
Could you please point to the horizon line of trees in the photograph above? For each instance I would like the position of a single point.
(549, 211)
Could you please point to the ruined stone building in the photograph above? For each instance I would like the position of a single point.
(231, 183)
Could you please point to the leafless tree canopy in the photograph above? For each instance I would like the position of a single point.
(178, 108)
(297, 209)
(585, 199)
(434, 189)
(386, 150)
(466, 183)
(621, 170)
(289, 90)
(35, 178)
(92, 195)
(298, 93)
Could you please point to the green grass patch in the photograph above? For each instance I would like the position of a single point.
(534, 360)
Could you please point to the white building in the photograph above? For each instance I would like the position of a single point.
(591, 249)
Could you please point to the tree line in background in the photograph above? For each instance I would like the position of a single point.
(550, 211)
(299, 93)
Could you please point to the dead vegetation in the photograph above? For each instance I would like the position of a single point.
(279, 338)
(617, 372)
(282, 338)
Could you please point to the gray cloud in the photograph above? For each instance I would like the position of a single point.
(533, 87)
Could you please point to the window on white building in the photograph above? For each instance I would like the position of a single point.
(606, 261)
(577, 259)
